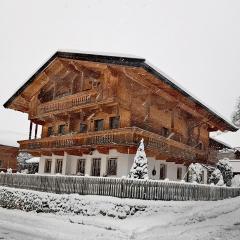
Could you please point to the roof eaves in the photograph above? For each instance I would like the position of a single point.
(120, 60)
(29, 81)
(127, 61)
(160, 76)
(221, 142)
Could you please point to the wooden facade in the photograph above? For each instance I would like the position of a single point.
(8, 158)
(92, 102)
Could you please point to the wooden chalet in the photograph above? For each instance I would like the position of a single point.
(8, 158)
(95, 109)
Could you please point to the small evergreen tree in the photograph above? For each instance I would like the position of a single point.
(139, 168)
(195, 172)
(226, 169)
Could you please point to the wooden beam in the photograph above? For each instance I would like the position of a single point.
(30, 130)
(36, 130)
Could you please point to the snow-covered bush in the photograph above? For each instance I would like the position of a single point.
(226, 169)
(195, 171)
(139, 168)
(73, 204)
(216, 178)
(21, 159)
(236, 181)
(9, 170)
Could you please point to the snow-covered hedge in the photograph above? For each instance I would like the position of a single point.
(65, 204)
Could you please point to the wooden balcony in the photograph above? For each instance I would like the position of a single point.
(122, 137)
(68, 103)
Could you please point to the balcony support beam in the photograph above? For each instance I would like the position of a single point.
(36, 131)
(30, 130)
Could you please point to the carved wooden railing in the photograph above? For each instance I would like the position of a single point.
(122, 137)
(65, 103)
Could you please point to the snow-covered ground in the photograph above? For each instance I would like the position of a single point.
(160, 220)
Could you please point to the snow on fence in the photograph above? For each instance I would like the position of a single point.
(118, 187)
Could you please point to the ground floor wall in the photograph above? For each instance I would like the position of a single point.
(114, 164)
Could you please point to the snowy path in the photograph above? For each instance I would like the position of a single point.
(176, 220)
(28, 226)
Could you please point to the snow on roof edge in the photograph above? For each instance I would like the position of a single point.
(221, 142)
(109, 54)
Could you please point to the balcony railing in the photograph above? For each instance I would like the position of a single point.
(116, 137)
(56, 106)
(65, 103)
(68, 103)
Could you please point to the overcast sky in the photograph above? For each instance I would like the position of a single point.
(197, 43)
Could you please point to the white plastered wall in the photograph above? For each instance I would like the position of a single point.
(124, 164)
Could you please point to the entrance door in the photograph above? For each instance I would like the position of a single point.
(162, 171)
(96, 165)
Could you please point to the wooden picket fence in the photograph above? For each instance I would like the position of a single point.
(119, 187)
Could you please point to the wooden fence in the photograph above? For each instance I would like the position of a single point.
(119, 187)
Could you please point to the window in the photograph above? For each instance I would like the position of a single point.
(50, 131)
(165, 132)
(83, 127)
(81, 167)
(112, 166)
(114, 122)
(98, 125)
(59, 164)
(48, 164)
(179, 173)
(200, 146)
(96, 165)
(162, 171)
(61, 129)
(1, 163)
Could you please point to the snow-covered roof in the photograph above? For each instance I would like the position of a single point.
(221, 142)
(208, 167)
(33, 160)
(127, 61)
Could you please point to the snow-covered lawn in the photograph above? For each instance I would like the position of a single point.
(160, 220)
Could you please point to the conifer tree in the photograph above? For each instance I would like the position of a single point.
(139, 168)
(226, 169)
